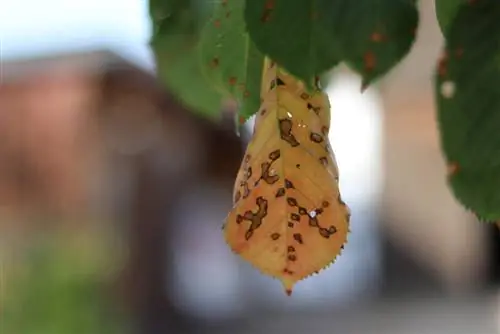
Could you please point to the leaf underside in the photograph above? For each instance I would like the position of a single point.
(467, 90)
(309, 37)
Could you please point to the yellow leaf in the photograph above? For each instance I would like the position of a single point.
(288, 219)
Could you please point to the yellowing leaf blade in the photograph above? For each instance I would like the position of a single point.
(288, 218)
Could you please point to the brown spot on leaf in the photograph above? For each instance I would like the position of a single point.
(313, 108)
(280, 192)
(325, 204)
(315, 137)
(275, 236)
(295, 217)
(292, 257)
(369, 60)
(290, 224)
(324, 232)
(313, 221)
(298, 238)
(289, 184)
(452, 168)
(232, 81)
(214, 62)
(291, 249)
(323, 161)
(237, 196)
(376, 37)
(255, 218)
(291, 201)
(297, 166)
(304, 96)
(302, 211)
(274, 155)
(285, 126)
(217, 23)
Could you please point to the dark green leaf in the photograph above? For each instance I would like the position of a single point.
(373, 36)
(292, 34)
(229, 58)
(446, 11)
(177, 25)
(467, 88)
(308, 37)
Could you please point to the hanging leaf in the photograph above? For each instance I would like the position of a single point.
(467, 89)
(292, 33)
(231, 61)
(288, 218)
(446, 11)
(176, 26)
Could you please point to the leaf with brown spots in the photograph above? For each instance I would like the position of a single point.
(467, 91)
(229, 58)
(288, 219)
(309, 37)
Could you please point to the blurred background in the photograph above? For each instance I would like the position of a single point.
(112, 196)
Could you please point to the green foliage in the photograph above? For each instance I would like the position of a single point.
(230, 59)
(176, 28)
(292, 33)
(446, 11)
(308, 37)
(467, 89)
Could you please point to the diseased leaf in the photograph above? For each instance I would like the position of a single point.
(229, 58)
(291, 33)
(176, 26)
(467, 90)
(288, 219)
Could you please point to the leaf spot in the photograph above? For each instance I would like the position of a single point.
(448, 89)
(376, 37)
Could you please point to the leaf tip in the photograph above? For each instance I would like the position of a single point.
(288, 283)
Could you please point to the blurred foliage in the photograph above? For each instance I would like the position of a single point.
(57, 285)
(467, 90)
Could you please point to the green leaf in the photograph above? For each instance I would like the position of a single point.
(292, 34)
(308, 37)
(446, 11)
(373, 36)
(177, 25)
(182, 74)
(467, 90)
(229, 58)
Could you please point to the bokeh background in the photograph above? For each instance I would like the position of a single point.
(112, 196)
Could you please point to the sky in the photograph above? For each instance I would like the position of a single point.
(38, 27)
